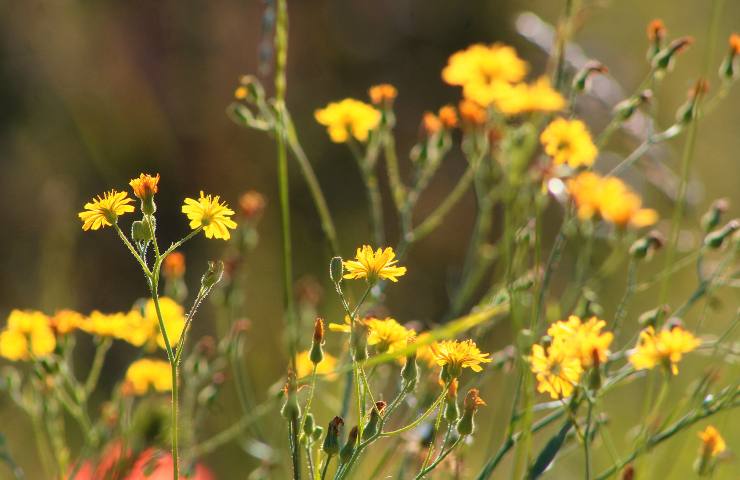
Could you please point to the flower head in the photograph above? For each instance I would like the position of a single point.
(712, 442)
(484, 64)
(609, 198)
(382, 94)
(104, 211)
(568, 142)
(146, 374)
(664, 348)
(557, 371)
(66, 321)
(454, 356)
(448, 116)
(304, 365)
(211, 214)
(582, 340)
(656, 30)
(28, 334)
(472, 113)
(523, 98)
(145, 186)
(387, 335)
(346, 118)
(374, 265)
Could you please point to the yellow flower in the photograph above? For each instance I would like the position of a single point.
(304, 366)
(104, 211)
(424, 352)
(211, 214)
(348, 117)
(664, 348)
(66, 321)
(712, 442)
(28, 334)
(609, 198)
(145, 186)
(382, 94)
(173, 317)
(372, 266)
(556, 371)
(519, 98)
(458, 355)
(130, 327)
(568, 141)
(582, 340)
(341, 327)
(146, 374)
(484, 64)
(387, 335)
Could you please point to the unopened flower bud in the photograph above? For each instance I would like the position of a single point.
(624, 110)
(383, 95)
(448, 116)
(466, 425)
(317, 351)
(249, 89)
(317, 432)
(140, 231)
(144, 188)
(594, 377)
(715, 239)
(452, 411)
(336, 269)
(410, 372)
(174, 265)
(331, 441)
(581, 80)
(711, 219)
(252, 204)
(646, 245)
(213, 274)
(359, 342)
(349, 448)
(656, 34)
(664, 59)
(686, 113)
(309, 426)
(728, 69)
(290, 410)
(371, 429)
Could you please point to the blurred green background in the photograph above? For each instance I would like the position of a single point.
(94, 92)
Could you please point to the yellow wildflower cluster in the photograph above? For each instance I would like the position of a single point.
(568, 142)
(146, 374)
(665, 348)
(373, 265)
(28, 334)
(492, 76)
(387, 335)
(453, 356)
(346, 118)
(575, 347)
(609, 198)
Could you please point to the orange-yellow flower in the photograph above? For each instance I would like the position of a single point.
(666, 348)
(387, 334)
(104, 211)
(174, 265)
(145, 186)
(712, 442)
(374, 265)
(557, 371)
(582, 340)
(211, 214)
(472, 113)
(568, 142)
(382, 94)
(66, 321)
(520, 98)
(484, 64)
(346, 118)
(456, 355)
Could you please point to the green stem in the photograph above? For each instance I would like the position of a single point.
(326, 467)
(92, 379)
(438, 460)
(398, 189)
(421, 418)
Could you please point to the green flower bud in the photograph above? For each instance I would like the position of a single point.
(290, 410)
(213, 274)
(317, 352)
(349, 448)
(336, 269)
(715, 239)
(711, 219)
(309, 425)
(466, 425)
(317, 432)
(371, 429)
(452, 412)
(140, 231)
(410, 372)
(331, 441)
(580, 81)
(664, 59)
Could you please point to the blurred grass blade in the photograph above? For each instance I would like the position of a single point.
(547, 455)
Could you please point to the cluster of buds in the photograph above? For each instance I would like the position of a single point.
(311, 431)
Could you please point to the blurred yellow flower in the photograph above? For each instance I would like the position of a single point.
(348, 117)
(519, 98)
(341, 327)
(146, 374)
(387, 335)
(372, 266)
(556, 371)
(104, 211)
(173, 317)
(582, 340)
(458, 355)
(28, 334)
(66, 321)
(211, 214)
(484, 64)
(472, 113)
(712, 442)
(304, 366)
(664, 348)
(568, 142)
(382, 94)
(610, 199)
(130, 327)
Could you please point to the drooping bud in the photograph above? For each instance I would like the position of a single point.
(624, 110)
(331, 441)
(371, 429)
(349, 448)
(687, 112)
(664, 59)
(656, 34)
(452, 412)
(582, 78)
(336, 269)
(647, 245)
(715, 239)
(728, 69)
(711, 219)
(466, 425)
(317, 351)
(213, 274)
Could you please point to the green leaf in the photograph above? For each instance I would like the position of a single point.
(547, 455)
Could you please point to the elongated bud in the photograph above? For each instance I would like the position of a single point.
(628, 473)
(656, 34)
(290, 410)
(624, 110)
(349, 448)
(687, 112)
(594, 377)
(410, 372)
(317, 432)
(711, 219)
(317, 350)
(582, 78)
(452, 412)
(213, 274)
(308, 426)
(140, 231)
(336, 269)
(466, 425)
(359, 342)
(728, 68)
(371, 429)
(715, 239)
(331, 441)
(647, 245)
(664, 59)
